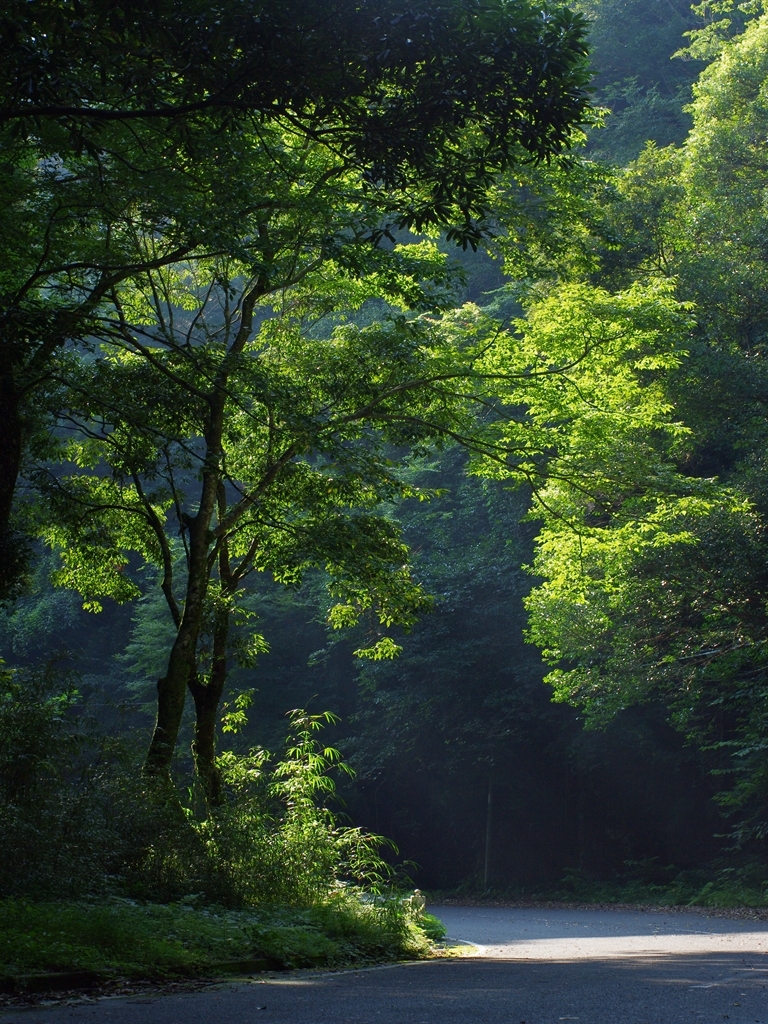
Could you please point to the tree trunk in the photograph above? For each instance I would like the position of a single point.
(207, 697)
(171, 693)
(12, 546)
(172, 688)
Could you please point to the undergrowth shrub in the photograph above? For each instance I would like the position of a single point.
(77, 819)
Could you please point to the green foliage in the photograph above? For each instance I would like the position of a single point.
(40, 621)
(432, 927)
(630, 39)
(139, 137)
(654, 576)
(251, 375)
(386, 111)
(274, 845)
(636, 116)
(585, 367)
(52, 824)
(277, 840)
(222, 369)
(724, 19)
(426, 724)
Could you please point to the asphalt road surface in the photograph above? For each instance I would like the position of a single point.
(533, 967)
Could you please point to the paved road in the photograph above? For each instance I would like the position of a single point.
(535, 967)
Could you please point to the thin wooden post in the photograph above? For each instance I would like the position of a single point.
(488, 819)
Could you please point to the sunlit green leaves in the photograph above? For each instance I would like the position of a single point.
(582, 380)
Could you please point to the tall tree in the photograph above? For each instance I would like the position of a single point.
(219, 416)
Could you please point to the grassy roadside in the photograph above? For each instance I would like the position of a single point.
(729, 889)
(126, 939)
